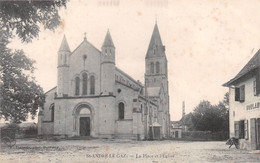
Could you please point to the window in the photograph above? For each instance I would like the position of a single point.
(157, 67)
(254, 87)
(240, 93)
(85, 84)
(152, 68)
(92, 85)
(121, 110)
(52, 112)
(77, 80)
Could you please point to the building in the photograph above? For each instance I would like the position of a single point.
(95, 98)
(244, 96)
(176, 129)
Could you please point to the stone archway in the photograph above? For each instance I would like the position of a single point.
(83, 120)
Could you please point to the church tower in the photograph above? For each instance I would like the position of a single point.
(156, 73)
(108, 66)
(156, 78)
(63, 69)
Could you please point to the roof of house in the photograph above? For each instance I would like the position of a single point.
(253, 63)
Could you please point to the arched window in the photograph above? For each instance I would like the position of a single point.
(92, 85)
(77, 85)
(152, 68)
(85, 84)
(52, 112)
(121, 110)
(157, 67)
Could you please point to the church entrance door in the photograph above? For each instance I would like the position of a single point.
(84, 126)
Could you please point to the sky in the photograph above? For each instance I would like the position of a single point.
(207, 42)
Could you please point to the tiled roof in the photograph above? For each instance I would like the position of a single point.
(253, 63)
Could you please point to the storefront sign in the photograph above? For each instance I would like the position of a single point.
(253, 106)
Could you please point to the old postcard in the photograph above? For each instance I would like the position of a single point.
(130, 80)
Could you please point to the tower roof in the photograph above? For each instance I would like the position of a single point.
(64, 45)
(108, 40)
(155, 43)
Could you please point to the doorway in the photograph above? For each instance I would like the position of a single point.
(84, 126)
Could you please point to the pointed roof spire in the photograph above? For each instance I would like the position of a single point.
(108, 40)
(155, 47)
(64, 45)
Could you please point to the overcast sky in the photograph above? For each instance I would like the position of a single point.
(207, 42)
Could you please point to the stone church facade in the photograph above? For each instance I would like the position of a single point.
(95, 98)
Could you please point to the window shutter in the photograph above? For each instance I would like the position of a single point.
(253, 132)
(258, 81)
(241, 129)
(246, 129)
(242, 93)
(236, 127)
(237, 94)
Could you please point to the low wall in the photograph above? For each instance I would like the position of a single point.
(205, 135)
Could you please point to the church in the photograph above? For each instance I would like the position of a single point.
(94, 98)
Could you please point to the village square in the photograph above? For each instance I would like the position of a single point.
(81, 85)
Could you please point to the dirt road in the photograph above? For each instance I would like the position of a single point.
(124, 151)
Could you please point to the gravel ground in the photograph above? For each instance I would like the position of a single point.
(99, 150)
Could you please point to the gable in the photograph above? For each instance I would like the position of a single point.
(84, 58)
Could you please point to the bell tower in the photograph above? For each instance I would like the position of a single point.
(63, 68)
(156, 73)
(108, 66)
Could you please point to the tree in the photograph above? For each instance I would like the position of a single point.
(224, 112)
(19, 93)
(24, 17)
(207, 117)
(186, 120)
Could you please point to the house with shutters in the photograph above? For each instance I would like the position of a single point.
(94, 97)
(244, 104)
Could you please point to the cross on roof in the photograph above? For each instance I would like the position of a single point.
(85, 36)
